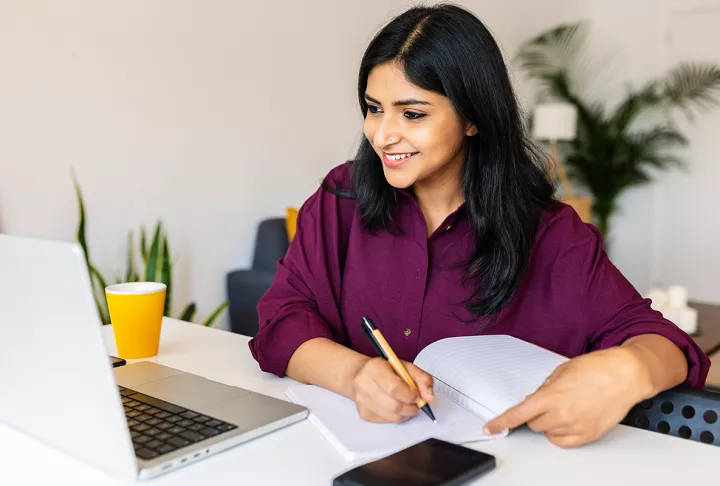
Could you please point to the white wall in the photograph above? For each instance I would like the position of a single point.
(664, 233)
(210, 115)
(688, 223)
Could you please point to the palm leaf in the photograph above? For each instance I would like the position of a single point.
(130, 268)
(634, 104)
(692, 84)
(96, 279)
(152, 263)
(210, 320)
(99, 284)
(559, 51)
(143, 245)
(188, 313)
(81, 237)
(166, 275)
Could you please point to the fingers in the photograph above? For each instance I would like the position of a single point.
(423, 380)
(382, 396)
(550, 424)
(394, 386)
(532, 407)
(566, 441)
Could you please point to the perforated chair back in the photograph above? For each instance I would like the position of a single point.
(683, 412)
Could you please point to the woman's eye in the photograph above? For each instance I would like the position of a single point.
(411, 115)
(373, 109)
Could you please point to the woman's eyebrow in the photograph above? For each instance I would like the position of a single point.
(409, 101)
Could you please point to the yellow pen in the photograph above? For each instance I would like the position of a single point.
(383, 348)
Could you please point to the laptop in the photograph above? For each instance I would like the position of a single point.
(58, 384)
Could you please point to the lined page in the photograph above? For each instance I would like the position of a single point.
(497, 372)
(338, 420)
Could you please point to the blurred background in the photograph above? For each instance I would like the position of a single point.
(213, 116)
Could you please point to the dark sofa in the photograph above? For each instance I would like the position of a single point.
(245, 287)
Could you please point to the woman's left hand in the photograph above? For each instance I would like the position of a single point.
(583, 399)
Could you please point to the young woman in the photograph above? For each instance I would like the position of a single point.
(445, 224)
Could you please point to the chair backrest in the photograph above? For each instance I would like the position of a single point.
(271, 244)
(683, 412)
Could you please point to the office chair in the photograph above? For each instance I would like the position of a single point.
(683, 412)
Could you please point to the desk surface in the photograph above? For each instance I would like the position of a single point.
(300, 455)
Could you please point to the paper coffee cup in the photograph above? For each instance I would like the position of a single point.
(136, 313)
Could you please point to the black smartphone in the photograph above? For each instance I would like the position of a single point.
(117, 361)
(432, 462)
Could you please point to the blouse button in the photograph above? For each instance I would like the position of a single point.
(448, 227)
(407, 332)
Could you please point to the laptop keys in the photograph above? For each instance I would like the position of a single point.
(146, 453)
(142, 427)
(208, 432)
(141, 439)
(154, 444)
(176, 430)
(178, 442)
(192, 436)
(152, 432)
(165, 449)
(158, 427)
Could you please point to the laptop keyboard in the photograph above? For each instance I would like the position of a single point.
(158, 427)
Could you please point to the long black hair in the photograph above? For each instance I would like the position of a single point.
(447, 50)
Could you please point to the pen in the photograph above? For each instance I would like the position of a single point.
(383, 348)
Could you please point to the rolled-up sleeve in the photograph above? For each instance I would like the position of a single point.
(617, 312)
(302, 304)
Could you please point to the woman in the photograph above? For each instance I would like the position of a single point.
(445, 225)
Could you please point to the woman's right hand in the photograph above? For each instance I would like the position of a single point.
(380, 395)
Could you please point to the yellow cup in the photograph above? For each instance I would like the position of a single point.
(136, 312)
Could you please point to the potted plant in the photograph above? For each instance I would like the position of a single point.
(157, 266)
(610, 152)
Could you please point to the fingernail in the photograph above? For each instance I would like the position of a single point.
(486, 431)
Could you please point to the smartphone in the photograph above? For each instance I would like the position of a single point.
(432, 462)
(117, 361)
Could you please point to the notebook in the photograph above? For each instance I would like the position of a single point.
(476, 378)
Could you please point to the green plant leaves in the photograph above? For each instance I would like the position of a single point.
(210, 319)
(157, 260)
(188, 313)
(152, 261)
(609, 154)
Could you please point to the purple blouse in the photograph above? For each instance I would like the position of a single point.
(572, 299)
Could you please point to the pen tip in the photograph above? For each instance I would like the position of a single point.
(434, 421)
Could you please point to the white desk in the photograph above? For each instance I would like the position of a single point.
(299, 455)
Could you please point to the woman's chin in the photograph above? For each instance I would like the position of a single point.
(399, 180)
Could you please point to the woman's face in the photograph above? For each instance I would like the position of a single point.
(416, 133)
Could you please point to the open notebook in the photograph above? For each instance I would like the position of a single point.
(476, 379)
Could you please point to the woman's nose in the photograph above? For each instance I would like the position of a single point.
(386, 135)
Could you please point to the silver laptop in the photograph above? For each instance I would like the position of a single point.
(58, 385)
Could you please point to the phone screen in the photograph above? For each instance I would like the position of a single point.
(432, 462)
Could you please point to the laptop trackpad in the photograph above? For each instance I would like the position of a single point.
(190, 391)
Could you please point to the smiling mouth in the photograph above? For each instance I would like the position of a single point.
(396, 160)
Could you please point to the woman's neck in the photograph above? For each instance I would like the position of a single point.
(439, 195)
